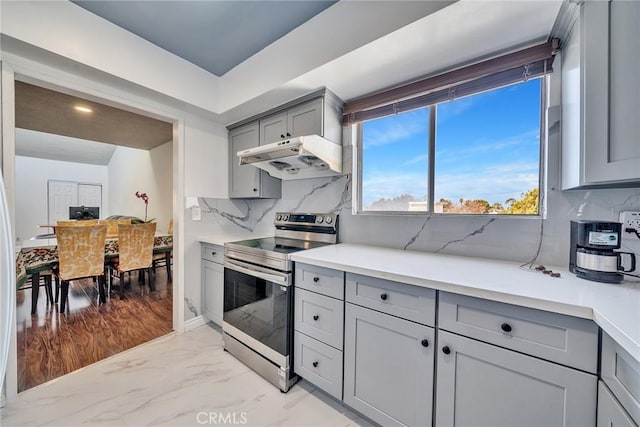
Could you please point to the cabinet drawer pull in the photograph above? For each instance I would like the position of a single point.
(282, 135)
(315, 364)
(506, 327)
(288, 134)
(316, 317)
(446, 349)
(213, 253)
(425, 343)
(316, 279)
(383, 297)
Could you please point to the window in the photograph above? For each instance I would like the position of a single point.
(479, 154)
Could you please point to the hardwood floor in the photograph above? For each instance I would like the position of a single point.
(51, 345)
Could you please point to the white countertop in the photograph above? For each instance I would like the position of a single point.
(615, 308)
(222, 238)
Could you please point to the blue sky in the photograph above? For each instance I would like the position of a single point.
(487, 147)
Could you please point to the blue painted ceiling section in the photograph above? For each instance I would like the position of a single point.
(215, 35)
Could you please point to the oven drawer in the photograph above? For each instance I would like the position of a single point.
(567, 340)
(318, 363)
(398, 299)
(621, 372)
(213, 253)
(322, 280)
(319, 317)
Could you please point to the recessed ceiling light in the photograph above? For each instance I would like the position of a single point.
(83, 109)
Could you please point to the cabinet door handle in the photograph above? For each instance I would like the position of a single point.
(446, 349)
(315, 364)
(383, 297)
(213, 253)
(316, 317)
(425, 343)
(288, 134)
(282, 135)
(316, 279)
(506, 327)
(255, 189)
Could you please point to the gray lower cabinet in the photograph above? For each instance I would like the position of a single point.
(610, 412)
(480, 384)
(621, 373)
(388, 367)
(212, 277)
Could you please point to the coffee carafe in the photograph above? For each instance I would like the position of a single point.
(592, 254)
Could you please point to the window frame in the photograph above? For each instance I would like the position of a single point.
(357, 134)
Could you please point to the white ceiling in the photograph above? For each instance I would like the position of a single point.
(30, 143)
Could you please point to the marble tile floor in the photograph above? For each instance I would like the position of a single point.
(177, 380)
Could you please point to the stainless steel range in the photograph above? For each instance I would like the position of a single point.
(258, 293)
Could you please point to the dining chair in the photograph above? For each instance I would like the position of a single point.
(164, 258)
(135, 252)
(77, 222)
(80, 255)
(112, 225)
(34, 282)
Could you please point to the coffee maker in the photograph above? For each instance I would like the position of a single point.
(592, 254)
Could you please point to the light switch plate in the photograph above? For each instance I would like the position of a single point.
(196, 213)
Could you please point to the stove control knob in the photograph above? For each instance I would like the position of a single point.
(285, 218)
(319, 220)
(329, 220)
(279, 217)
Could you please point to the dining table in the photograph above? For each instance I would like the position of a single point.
(32, 261)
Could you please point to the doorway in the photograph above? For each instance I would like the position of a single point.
(51, 344)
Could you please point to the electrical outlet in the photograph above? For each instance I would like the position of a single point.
(630, 220)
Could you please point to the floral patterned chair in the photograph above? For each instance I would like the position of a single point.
(81, 255)
(112, 225)
(135, 251)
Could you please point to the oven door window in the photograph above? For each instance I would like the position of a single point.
(259, 308)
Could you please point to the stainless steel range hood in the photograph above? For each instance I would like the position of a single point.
(296, 158)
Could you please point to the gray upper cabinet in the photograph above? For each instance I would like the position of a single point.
(480, 384)
(601, 96)
(273, 128)
(248, 181)
(388, 367)
(307, 118)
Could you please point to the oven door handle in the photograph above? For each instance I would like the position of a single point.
(256, 271)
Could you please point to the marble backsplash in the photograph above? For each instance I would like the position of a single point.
(512, 239)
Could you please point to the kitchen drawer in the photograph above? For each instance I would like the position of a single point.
(213, 253)
(563, 339)
(319, 317)
(610, 413)
(322, 280)
(398, 299)
(621, 373)
(318, 363)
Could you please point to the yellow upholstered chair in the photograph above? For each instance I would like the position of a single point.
(112, 225)
(77, 222)
(135, 250)
(80, 255)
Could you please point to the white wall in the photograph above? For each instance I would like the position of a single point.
(32, 175)
(150, 172)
